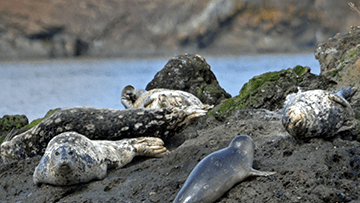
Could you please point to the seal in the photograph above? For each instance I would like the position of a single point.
(157, 98)
(317, 113)
(71, 158)
(100, 124)
(220, 171)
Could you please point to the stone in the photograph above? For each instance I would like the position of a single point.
(192, 74)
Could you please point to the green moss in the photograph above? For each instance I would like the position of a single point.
(260, 89)
(299, 70)
(352, 54)
(251, 90)
(334, 72)
(212, 88)
(9, 122)
(226, 106)
(37, 121)
(2, 138)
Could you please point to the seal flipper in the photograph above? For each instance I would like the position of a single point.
(254, 172)
(347, 92)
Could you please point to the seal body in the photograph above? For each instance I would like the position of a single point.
(100, 124)
(71, 158)
(157, 98)
(317, 113)
(220, 171)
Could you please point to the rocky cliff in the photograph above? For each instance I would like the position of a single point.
(108, 28)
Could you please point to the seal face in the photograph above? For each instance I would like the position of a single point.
(219, 171)
(71, 158)
(317, 113)
(157, 98)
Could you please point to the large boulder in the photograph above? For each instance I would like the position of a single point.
(339, 58)
(192, 74)
(269, 90)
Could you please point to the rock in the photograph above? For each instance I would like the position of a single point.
(11, 122)
(8, 122)
(330, 174)
(192, 74)
(339, 58)
(269, 90)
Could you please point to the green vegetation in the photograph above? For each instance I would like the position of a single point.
(253, 93)
(18, 123)
(9, 122)
(37, 121)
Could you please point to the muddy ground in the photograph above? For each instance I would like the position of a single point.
(313, 171)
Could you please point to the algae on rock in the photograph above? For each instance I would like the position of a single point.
(20, 124)
(269, 90)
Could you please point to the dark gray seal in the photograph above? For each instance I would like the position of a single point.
(100, 124)
(157, 98)
(317, 113)
(71, 158)
(220, 171)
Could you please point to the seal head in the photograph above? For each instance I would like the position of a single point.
(220, 171)
(69, 159)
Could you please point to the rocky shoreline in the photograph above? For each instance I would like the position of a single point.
(313, 170)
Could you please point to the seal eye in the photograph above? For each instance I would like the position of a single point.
(71, 153)
(57, 153)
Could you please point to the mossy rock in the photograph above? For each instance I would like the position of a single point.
(269, 90)
(37, 121)
(26, 126)
(9, 122)
(190, 73)
(339, 59)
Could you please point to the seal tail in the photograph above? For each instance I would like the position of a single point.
(347, 92)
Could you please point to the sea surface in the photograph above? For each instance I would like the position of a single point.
(33, 88)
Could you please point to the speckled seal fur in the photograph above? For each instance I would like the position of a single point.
(100, 124)
(157, 98)
(220, 171)
(317, 113)
(71, 158)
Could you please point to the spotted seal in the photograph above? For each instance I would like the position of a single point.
(71, 158)
(100, 124)
(317, 113)
(219, 171)
(157, 98)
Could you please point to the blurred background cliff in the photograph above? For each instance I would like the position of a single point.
(37, 29)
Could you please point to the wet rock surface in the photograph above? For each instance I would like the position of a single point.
(192, 74)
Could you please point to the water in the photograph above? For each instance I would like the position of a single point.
(33, 88)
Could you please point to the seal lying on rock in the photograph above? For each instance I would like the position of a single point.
(317, 113)
(100, 123)
(157, 98)
(219, 171)
(71, 158)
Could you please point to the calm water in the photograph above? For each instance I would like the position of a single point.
(34, 88)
